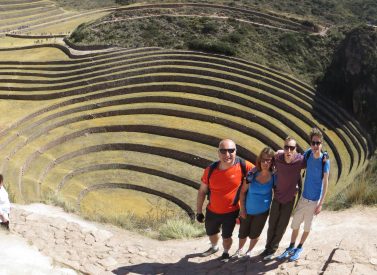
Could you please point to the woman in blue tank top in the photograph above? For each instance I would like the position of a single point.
(255, 200)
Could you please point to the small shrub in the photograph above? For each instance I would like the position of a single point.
(218, 47)
(234, 37)
(180, 229)
(209, 27)
(289, 43)
(57, 200)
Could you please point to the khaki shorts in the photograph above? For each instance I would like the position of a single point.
(304, 212)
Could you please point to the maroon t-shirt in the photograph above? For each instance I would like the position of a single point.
(288, 177)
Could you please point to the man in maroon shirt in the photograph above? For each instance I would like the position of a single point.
(288, 165)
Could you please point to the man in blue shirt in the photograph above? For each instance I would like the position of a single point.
(315, 188)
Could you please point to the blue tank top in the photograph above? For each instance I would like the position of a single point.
(259, 196)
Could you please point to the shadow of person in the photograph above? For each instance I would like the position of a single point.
(194, 264)
(184, 266)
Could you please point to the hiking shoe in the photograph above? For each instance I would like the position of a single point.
(287, 253)
(225, 257)
(238, 255)
(296, 255)
(210, 251)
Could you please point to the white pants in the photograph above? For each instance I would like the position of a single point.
(4, 213)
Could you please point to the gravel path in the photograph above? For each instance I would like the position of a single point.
(341, 243)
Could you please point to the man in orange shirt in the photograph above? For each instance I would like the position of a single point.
(223, 208)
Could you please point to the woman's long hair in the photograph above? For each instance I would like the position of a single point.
(267, 152)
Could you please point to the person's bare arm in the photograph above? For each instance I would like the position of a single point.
(325, 183)
(202, 192)
(244, 189)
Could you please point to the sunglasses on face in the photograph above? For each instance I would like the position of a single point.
(291, 148)
(230, 151)
(266, 161)
(316, 143)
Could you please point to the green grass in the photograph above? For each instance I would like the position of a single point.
(180, 229)
(58, 200)
(36, 165)
(323, 11)
(363, 190)
(162, 221)
(299, 54)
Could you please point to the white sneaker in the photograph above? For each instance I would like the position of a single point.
(268, 257)
(239, 254)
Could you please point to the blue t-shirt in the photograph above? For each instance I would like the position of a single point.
(313, 179)
(259, 196)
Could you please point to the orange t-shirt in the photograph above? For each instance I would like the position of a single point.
(224, 185)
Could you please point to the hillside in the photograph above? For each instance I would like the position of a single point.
(351, 79)
(98, 129)
(266, 37)
(272, 40)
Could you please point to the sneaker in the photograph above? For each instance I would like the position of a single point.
(210, 251)
(287, 253)
(248, 254)
(238, 255)
(5, 225)
(296, 255)
(225, 257)
(267, 255)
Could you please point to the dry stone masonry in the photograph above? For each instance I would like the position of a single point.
(343, 243)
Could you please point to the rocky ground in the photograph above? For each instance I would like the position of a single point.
(341, 243)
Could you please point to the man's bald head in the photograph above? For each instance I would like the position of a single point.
(227, 143)
(227, 153)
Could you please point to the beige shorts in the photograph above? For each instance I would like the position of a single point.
(304, 212)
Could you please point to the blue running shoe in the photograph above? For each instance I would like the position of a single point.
(287, 253)
(296, 254)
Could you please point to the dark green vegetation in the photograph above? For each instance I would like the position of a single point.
(322, 11)
(300, 54)
(351, 79)
(362, 191)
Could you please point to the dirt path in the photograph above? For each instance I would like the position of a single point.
(342, 243)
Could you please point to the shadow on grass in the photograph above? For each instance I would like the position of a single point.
(190, 265)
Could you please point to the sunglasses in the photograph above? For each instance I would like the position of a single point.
(287, 147)
(316, 143)
(230, 151)
(266, 160)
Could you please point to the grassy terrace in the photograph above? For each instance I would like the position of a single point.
(171, 65)
(100, 132)
(192, 9)
(177, 69)
(147, 121)
(42, 17)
